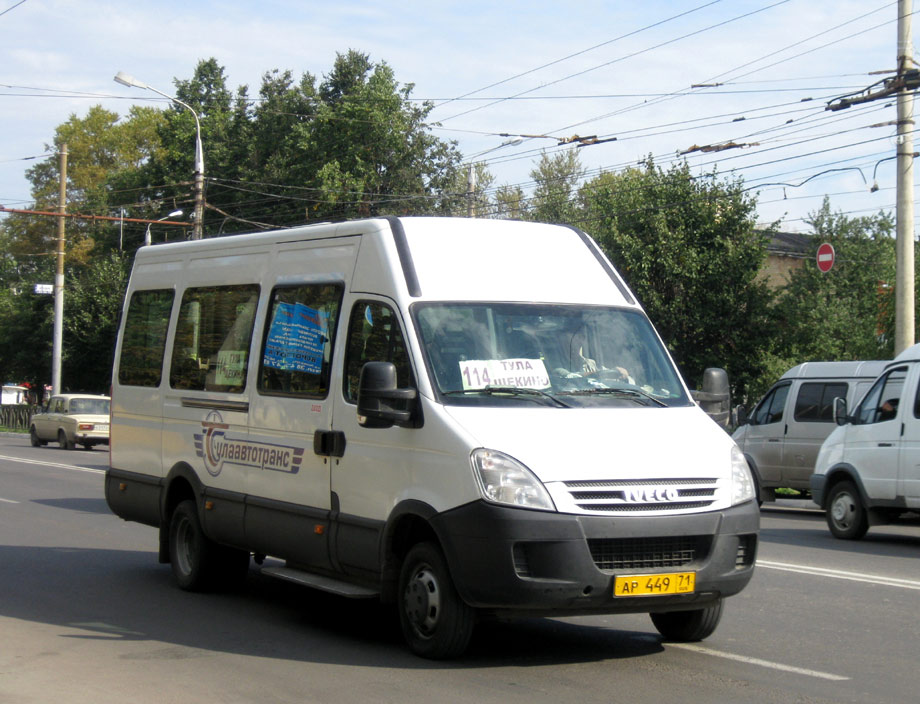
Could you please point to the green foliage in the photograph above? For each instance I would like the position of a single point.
(848, 312)
(688, 249)
(92, 304)
(557, 177)
(353, 145)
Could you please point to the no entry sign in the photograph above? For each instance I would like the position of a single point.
(825, 257)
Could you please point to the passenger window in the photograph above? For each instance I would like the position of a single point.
(815, 402)
(213, 334)
(299, 339)
(143, 342)
(373, 336)
(881, 403)
(771, 408)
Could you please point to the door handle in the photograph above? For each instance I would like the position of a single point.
(886, 444)
(330, 443)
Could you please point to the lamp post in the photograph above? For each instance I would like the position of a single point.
(130, 81)
(173, 214)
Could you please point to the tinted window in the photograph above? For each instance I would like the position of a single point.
(298, 341)
(374, 335)
(815, 402)
(143, 342)
(881, 403)
(770, 409)
(213, 333)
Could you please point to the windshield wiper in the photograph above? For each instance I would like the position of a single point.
(627, 393)
(513, 391)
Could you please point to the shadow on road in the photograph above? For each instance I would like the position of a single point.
(127, 596)
(810, 529)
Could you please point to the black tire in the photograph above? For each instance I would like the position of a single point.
(846, 516)
(435, 621)
(198, 563)
(191, 552)
(64, 442)
(34, 439)
(688, 626)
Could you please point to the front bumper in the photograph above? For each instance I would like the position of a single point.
(817, 484)
(543, 563)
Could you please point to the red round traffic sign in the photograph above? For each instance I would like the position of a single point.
(825, 257)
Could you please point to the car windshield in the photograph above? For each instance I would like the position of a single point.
(560, 355)
(90, 406)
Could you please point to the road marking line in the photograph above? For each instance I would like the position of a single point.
(758, 662)
(8, 501)
(839, 574)
(72, 467)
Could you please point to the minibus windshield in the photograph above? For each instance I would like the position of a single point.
(559, 355)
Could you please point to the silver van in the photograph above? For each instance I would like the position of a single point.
(783, 434)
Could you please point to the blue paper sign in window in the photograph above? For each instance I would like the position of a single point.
(296, 338)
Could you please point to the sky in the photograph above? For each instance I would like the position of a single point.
(658, 77)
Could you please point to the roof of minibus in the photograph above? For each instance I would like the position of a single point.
(457, 258)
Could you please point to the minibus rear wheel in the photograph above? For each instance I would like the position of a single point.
(436, 622)
(191, 554)
(688, 626)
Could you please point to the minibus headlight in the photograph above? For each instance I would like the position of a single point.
(504, 480)
(742, 483)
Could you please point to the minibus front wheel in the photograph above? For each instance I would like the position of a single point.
(436, 622)
(688, 626)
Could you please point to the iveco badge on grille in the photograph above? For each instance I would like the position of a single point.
(649, 494)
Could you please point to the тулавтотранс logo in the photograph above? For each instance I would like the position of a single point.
(216, 449)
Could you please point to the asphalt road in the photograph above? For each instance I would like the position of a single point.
(87, 615)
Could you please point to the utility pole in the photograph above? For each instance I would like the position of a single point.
(904, 277)
(59, 280)
(471, 191)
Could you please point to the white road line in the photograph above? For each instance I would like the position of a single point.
(71, 467)
(839, 574)
(758, 662)
(8, 501)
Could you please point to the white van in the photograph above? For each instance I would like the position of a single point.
(868, 470)
(783, 434)
(459, 416)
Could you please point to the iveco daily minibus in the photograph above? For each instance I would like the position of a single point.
(462, 417)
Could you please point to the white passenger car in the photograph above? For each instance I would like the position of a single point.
(71, 420)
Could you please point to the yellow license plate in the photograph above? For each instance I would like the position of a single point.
(654, 584)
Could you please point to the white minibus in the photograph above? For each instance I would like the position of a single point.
(460, 417)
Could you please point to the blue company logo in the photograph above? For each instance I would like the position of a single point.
(217, 449)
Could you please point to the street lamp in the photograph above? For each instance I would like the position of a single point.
(173, 214)
(130, 81)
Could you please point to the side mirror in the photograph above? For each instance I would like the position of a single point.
(380, 403)
(840, 411)
(741, 416)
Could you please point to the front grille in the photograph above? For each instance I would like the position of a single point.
(648, 553)
(641, 496)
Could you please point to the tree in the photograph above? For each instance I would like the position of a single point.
(557, 177)
(93, 304)
(848, 312)
(353, 145)
(372, 147)
(688, 249)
